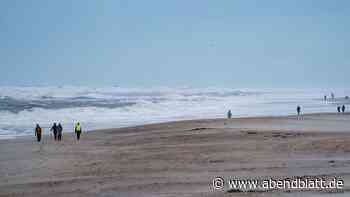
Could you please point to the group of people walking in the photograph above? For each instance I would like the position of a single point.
(57, 130)
(332, 98)
(341, 109)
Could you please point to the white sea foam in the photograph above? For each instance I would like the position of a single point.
(22, 107)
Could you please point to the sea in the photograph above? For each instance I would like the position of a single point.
(114, 107)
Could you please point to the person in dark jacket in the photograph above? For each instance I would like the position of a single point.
(38, 132)
(229, 114)
(59, 132)
(298, 110)
(54, 130)
(343, 108)
(338, 108)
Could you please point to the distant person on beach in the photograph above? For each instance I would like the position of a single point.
(332, 95)
(298, 110)
(77, 130)
(54, 130)
(343, 108)
(59, 132)
(338, 109)
(325, 97)
(38, 132)
(229, 114)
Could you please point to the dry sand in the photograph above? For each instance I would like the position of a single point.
(180, 158)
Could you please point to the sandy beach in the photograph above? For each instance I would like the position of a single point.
(180, 158)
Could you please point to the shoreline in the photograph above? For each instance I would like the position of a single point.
(188, 120)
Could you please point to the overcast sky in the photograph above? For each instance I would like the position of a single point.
(175, 43)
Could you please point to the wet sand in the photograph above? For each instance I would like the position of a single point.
(180, 158)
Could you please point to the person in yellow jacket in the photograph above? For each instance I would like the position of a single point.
(38, 132)
(77, 130)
